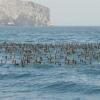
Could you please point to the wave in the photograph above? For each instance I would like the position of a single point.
(93, 90)
(91, 71)
(15, 76)
(64, 87)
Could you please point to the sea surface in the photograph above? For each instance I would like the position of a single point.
(50, 82)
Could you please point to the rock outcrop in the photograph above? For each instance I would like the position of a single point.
(17, 12)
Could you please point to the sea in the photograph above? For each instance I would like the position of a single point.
(50, 82)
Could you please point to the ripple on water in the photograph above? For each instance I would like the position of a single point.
(68, 87)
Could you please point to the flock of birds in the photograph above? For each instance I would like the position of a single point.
(56, 54)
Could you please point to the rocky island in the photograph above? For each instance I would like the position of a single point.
(18, 12)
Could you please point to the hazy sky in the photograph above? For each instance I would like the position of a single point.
(73, 12)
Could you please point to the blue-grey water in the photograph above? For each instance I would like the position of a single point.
(48, 82)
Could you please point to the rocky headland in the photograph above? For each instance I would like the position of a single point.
(18, 12)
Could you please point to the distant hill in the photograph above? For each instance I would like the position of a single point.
(17, 12)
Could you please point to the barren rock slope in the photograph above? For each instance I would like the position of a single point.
(17, 12)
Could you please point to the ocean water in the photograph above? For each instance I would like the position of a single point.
(50, 82)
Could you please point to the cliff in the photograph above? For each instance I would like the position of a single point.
(17, 12)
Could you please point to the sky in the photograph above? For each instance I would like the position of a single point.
(73, 12)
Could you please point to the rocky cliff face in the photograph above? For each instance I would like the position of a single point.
(17, 12)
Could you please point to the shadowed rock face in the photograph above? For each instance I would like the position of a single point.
(17, 12)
